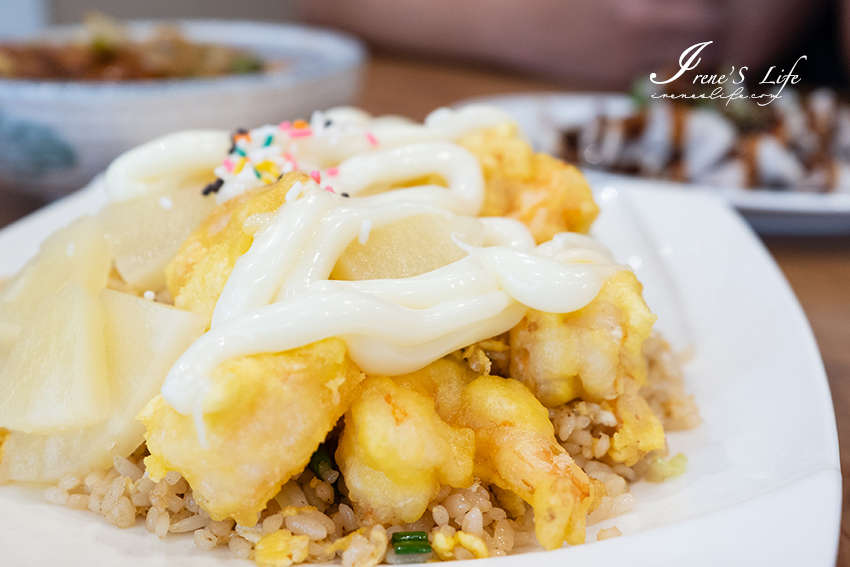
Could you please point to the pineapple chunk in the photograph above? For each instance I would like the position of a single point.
(77, 253)
(143, 340)
(146, 232)
(408, 247)
(8, 337)
(55, 377)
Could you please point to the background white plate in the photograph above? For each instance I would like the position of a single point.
(763, 485)
(769, 212)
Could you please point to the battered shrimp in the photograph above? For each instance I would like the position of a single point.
(499, 420)
(395, 452)
(265, 416)
(546, 194)
(515, 449)
(197, 274)
(594, 354)
(587, 353)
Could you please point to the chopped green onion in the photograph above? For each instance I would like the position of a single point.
(246, 63)
(321, 462)
(409, 536)
(411, 547)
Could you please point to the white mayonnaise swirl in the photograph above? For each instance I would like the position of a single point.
(278, 296)
(161, 163)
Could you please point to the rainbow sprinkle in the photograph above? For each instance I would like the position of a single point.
(370, 137)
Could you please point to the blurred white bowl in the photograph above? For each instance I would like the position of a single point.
(55, 136)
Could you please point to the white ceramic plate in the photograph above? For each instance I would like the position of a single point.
(769, 212)
(763, 485)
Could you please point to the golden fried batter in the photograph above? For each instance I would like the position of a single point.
(546, 194)
(587, 353)
(265, 416)
(515, 449)
(638, 430)
(390, 430)
(395, 452)
(197, 274)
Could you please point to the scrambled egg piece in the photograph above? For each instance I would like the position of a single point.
(587, 353)
(395, 452)
(638, 430)
(444, 546)
(546, 194)
(364, 547)
(265, 416)
(197, 274)
(659, 470)
(515, 449)
(281, 549)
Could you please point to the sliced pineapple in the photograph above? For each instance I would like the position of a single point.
(146, 232)
(77, 253)
(408, 247)
(143, 340)
(55, 377)
(8, 337)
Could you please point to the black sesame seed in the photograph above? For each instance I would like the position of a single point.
(344, 194)
(213, 187)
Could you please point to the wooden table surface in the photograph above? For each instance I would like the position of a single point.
(817, 268)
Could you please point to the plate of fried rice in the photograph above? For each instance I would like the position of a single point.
(723, 451)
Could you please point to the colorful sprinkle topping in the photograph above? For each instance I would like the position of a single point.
(263, 155)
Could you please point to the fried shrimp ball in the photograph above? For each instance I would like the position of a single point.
(587, 353)
(395, 452)
(516, 449)
(543, 192)
(265, 416)
(389, 450)
(197, 274)
(594, 354)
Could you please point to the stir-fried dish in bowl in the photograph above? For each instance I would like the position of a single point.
(107, 50)
(351, 337)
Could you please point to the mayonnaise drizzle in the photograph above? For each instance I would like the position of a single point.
(354, 133)
(278, 296)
